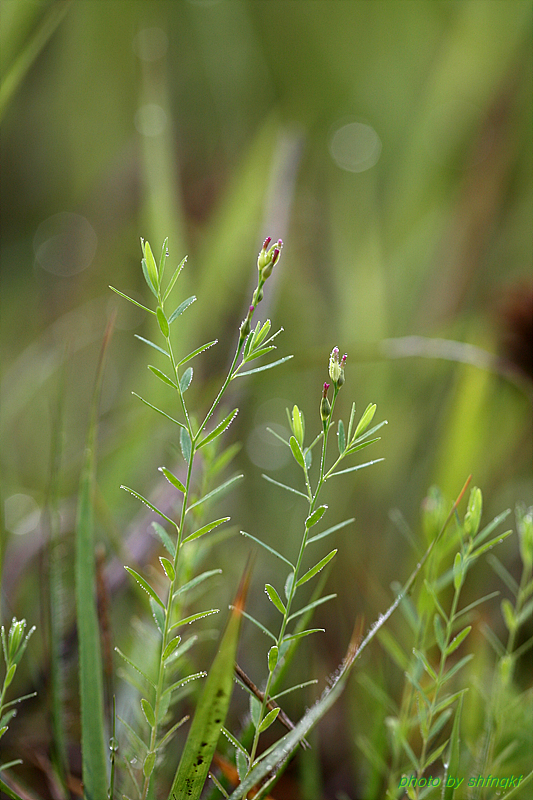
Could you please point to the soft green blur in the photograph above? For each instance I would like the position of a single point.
(387, 143)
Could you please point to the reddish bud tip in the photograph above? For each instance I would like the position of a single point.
(275, 255)
(325, 390)
(266, 242)
(343, 360)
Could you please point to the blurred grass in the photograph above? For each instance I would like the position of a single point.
(425, 242)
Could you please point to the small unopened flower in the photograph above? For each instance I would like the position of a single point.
(336, 367)
(268, 256)
(246, 326)
(325, 407)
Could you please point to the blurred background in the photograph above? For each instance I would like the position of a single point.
(389, 145)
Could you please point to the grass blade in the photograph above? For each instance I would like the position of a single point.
(210, 715)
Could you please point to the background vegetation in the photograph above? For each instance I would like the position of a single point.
(388, 144)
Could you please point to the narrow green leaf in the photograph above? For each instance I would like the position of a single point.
(300, 635)
(312, 605)
(288, 585)
(220, 428)
(366, 419)
(283, 486)
(145, 585)
(489, 545)
(155, 346)
(10, 675)
(425, 663)
(163, 414)
(210, 713)
(135, 667)
(135, 303)
(457, 640)
(508, 615)
(171, 646)
(273, 656)
(458, 571)
(257, 353)
(162, 259)
(268, 720)
(164, 538)
(261, 369)
(350, 426)
(456, 667)
(297, 451)
(162, 376)
(193, 618)
(205, 529)
(185, 444)
(148, 712)
(435, 754)
(259, 625)
(357, 467)
(168, 566)
(196, 581)
(316, 516)
(328, 531)
(275, 598)
(361, 446)
(197, 352)
(148, 503)
(175, 277)
(162, 321)
(181, 308)
(147, 278)
(267, 547)
(221, 488)
(314, 570)
(447, 701)
(259, 335)
(149, 763)
(341, 437)
(439, 632)
(185, 380)
(150, 263)
(183, 681)
(431, 591)
(487, 530)
(171, 478)
(504, 574)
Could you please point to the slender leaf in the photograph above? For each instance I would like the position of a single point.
(164, 538)
(171, 646)
(221, 488)
(148, 712)
(171, 478)
(205, 529)
(155, 346)
(316, 569)
(297, 451)
(267, 547)
(261, 369)
(185, 380)
(162, 321)
(275, 598)
(155, 408)
(193, 617)
(357, 467)
(145, 585)
(162, 377)
(284, 486)
(185, 444)
(181, 308)
(168, 566)
(331, 530)
(312, 605)
(489, 545)
(135, 303)
(361, 446)
(175, 277)
(268, 720)
(197, 352)
(147, 503)
(147, 277)
(211, 711)
(300, 635)
(341, 437)
(316, 516)
(135, 667)
(457, 640)
(196, 581)
(220, 428)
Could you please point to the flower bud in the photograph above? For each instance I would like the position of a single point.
(268, 257)
(325, 407)
(334, 366)
(524, 524)
(245, 326)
